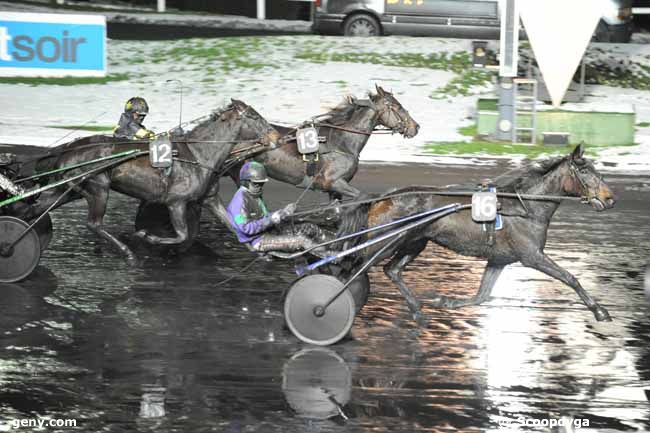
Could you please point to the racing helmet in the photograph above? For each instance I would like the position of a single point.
(137, 105)
(254, 172)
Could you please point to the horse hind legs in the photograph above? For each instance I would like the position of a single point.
(97, 199)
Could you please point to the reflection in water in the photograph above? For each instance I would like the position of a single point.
(153, 401)
(317, 383)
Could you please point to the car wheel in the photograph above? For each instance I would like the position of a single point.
(613, 34)
(361, 25)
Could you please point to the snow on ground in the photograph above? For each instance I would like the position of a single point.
(265, 73)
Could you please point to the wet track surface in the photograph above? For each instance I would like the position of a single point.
(161, 348)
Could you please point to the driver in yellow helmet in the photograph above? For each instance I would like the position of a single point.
(130, 125)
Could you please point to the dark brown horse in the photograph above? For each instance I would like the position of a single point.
(522, 238)
(206, 148)
(346, 129)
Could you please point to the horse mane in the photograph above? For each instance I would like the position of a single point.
(341, 113)
(208, 120)
(528, 175)
(517, 179)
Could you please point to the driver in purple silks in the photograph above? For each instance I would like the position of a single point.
(258, 227)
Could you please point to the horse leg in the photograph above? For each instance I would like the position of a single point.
(393, 269)
(178, 216)
(545, 264)
(488, 280)
(215, 205)
(340, 186)
(96, 196)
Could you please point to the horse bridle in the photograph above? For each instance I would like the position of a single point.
(390, 107)
(575, 174)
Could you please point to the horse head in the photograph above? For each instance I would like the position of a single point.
(252, 126)
(392, 115)
(581, 179)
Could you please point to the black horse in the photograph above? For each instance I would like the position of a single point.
(202, 154)
(522, 239)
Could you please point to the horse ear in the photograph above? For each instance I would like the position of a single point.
(578, 151)
(380, 91)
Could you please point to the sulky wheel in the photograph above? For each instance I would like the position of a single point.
(44, 229)
(154, 217)
(17, 262)
(306, 316)
(360, 289)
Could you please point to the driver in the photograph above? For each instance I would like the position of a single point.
(130, 124)
(258, 227)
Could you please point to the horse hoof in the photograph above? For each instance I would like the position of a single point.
(133, 262)
(142, 234)
(602, 315)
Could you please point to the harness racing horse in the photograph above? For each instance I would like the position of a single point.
(522, 238)
(208, 145)
(347, 129)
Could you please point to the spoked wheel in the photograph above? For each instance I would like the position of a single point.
(17, 262)
(154, 217)
(308, 317)
(44, 228)
(361, 25)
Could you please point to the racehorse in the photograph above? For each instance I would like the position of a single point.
(208, 145)
(347, 129)
(522, 238)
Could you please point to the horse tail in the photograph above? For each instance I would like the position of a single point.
(354, 219)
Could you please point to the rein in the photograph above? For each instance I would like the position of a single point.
(532, 197)
(341, 128)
